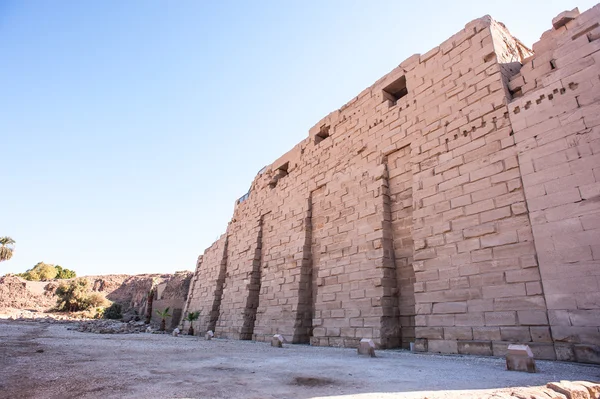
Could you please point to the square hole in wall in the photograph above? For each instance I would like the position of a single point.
(283, 169)
(323, 134)
(280, 172)
(395, 91)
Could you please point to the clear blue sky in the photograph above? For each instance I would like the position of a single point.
(129, 128)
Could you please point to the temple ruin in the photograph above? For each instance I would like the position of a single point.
(453, 205)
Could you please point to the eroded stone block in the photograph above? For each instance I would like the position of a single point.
(420, 345)
(277, 341)
(366, 347)
(520, 358)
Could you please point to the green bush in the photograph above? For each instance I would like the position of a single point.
(97, 300)
(74, 297)
(113, 312)
(45, 271)
(62, 273)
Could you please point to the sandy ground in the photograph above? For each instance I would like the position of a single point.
(40, 360)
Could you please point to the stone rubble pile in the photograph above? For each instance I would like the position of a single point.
(111, 327)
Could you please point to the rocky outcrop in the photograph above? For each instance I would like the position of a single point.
(131, 291)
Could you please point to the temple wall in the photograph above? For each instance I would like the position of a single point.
(557, 132)
(418, 212)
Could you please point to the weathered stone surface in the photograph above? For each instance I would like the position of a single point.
(587, 353)
(592, 388)
(480, 348)
(420, 345)
(569, 389)
(561, 19)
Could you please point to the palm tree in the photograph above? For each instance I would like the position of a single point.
(6, 248)
(191, 317)
(163, 315)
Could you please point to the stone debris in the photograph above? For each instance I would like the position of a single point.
(209, 335)
(176, 332)
(112, 327)
(520, 358)
(366, 347)
(277, 341)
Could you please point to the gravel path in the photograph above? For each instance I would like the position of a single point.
(40, 360)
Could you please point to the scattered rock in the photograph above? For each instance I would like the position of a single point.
(366, 347)
(277, 341)
(112, 327)
(520, 358)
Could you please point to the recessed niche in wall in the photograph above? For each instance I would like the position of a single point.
(395, 91)
(323, 134)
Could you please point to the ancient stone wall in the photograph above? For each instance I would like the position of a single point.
(556, 125)
(403, 217)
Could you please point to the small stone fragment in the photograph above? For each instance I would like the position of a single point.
(277, 341)
(366, 347)
(209, 335)
(176, 332)
(520, 358)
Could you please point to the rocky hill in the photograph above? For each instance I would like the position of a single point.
(131, 291)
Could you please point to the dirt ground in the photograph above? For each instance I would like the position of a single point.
(40, 360)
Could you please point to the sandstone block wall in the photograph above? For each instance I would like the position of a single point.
(557, 134)
(427, 210)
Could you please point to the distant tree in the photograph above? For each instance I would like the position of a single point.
(6, 248)
(191, 317)
(163, 315)
(63, 273)
(45, 271)
(40, 272)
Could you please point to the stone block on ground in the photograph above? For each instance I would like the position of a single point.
(209, 335)
(420, 345)
(520, 358)
(366, 347)
(277, 341)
